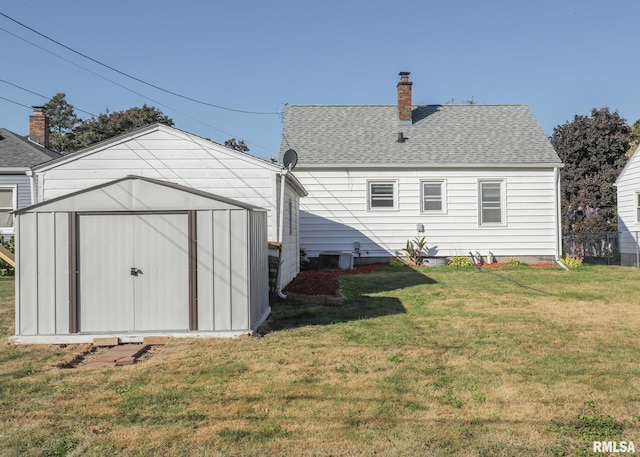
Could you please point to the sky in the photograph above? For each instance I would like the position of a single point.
(235, 64)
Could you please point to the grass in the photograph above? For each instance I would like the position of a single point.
(517, 361)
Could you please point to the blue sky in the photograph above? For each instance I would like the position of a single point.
(560, 57)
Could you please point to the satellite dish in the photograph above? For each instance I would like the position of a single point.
(290, 159)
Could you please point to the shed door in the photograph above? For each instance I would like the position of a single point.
(156, 295)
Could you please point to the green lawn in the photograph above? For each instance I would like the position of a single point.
(517, 361)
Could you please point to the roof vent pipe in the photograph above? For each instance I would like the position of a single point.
(401, 137)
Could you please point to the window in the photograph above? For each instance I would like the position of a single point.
(382, 195)
(6, 206)
(491, 206)
(638, 207)
(433, 197)
(290, 217)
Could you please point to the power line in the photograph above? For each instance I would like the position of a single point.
(15, 103)
(133, 77)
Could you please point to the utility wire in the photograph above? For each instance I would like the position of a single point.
(15, 103)
(130, 76)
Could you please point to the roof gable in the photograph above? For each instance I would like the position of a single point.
(18, 152)
(440, 135)
(130, 139)
(136, 193)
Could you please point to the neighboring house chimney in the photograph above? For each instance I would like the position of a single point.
(39, 127)
(404, 99)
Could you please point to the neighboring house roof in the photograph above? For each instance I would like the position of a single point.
(440, 135)
(18, 152)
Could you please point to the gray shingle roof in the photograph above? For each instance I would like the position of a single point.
(453, 135)
(17, 152)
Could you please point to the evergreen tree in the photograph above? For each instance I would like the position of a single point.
(62, 122)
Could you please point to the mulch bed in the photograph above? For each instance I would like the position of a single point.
(325, 282)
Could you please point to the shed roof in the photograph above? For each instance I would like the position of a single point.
(18, 152)
(137, 193)
(440, 135)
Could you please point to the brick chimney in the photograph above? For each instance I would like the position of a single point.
(404, 99)
(39, 127)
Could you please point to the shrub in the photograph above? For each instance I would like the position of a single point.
(513, 261)
(461, 261)
(416, 250)
(571, 262)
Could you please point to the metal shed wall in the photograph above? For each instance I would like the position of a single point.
(229, 247)
(42, 281)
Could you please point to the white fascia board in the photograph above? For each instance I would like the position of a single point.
(424, 165)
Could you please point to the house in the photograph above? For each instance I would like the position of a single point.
(138, 257)
(17, 156)
(469, 178)
(168, 154)
(628, 194)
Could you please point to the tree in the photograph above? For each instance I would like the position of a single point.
(109, 125)
(62, 122)
(593, 150)
(635, 138)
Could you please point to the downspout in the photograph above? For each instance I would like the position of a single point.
(283, 174)
(558, 219)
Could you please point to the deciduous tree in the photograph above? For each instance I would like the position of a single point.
(593, 149)
(109, 125)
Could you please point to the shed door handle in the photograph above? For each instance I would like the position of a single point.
(135, 271)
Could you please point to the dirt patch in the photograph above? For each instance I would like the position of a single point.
(325, 282)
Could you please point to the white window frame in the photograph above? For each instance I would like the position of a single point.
(502, 202)
(443, 196)
(394, 197)
(14, 202)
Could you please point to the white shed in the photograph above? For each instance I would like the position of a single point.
(139, 257)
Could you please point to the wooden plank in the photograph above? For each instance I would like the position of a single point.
(7, 256)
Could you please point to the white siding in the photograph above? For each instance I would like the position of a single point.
(167, 155)
(628, 185)
(335, 213)
(290, 265)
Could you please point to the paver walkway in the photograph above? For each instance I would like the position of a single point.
(124, 354)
